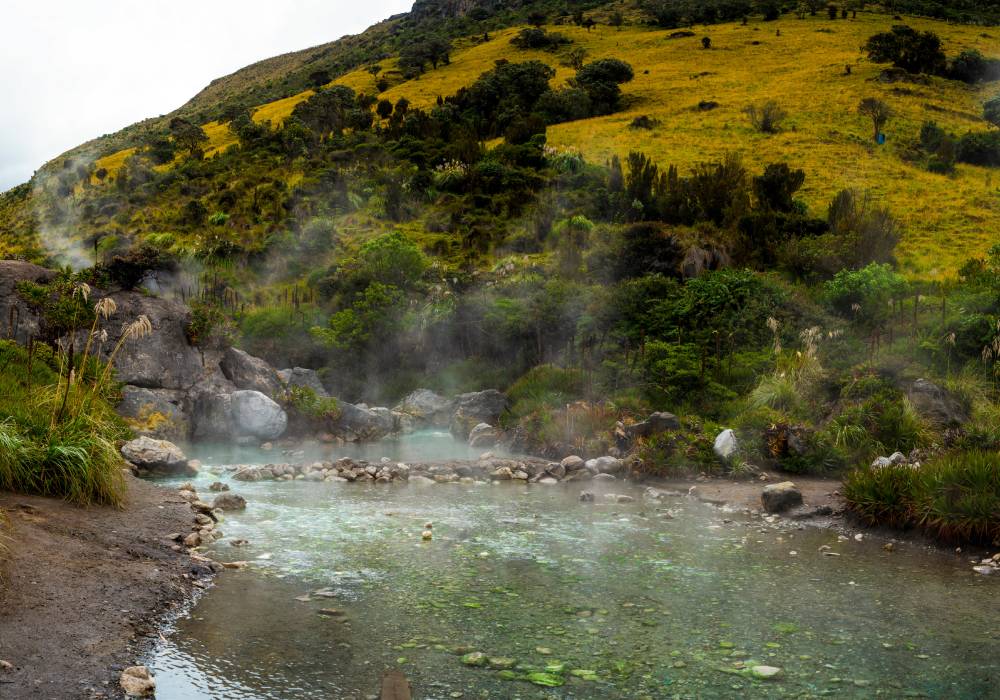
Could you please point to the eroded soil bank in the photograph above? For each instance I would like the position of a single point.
(83, 590)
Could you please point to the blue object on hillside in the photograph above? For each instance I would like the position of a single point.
(880, 140)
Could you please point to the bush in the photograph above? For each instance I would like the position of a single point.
(906, 48)
(546, 386)
(539, 39)
(766, 118)
(955, 497)
(863, 295)
(979, 148)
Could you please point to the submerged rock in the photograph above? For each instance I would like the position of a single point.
(777, 498)
(229, 501)
(157, 457)
(765, 672)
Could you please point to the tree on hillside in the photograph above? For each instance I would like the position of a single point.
(906, 48)
(876, 110)
(187, 136)
(326, 111)
(601, 80)
(991, 111)
(384, 109)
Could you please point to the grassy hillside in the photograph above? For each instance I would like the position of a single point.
(801, 64)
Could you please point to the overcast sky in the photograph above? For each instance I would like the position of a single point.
(71, 70)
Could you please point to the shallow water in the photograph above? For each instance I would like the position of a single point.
(654, 606)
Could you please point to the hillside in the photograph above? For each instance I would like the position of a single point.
(800, 63)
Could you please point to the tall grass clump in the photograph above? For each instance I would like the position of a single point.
(59, 433)
(955, 497)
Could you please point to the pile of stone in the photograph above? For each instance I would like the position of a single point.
(205, 530)
(896, 459)
(486, 469)
(988, 566)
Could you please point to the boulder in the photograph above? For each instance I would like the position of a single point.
(256, 415)
(17, 320)
(483, 435)
(726, 446)
(938, 404)
(604, 465)
(157, 457)
(427, 409)
(654, 425)
(229, 501)
(573, 463)
(361, 424)
(158, 413)
(251, 373)
(212, 409)
(163, 360)
(475, 408)
(777, 498)
(307, 378)
(137, 682)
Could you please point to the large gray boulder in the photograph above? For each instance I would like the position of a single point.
(256, 415)
(212, 409)
(251, 373)
(475, 408)
(159, 457)
(158, 413)
(163, 360)
(360, 424)
(484, 435)
(307, 378)
(427, 409)
(937, 404)
(654, 425)
(777, 498)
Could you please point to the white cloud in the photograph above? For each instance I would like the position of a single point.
(74, 70)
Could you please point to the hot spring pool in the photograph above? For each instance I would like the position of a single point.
(637, 600)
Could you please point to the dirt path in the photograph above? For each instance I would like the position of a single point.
(83, 589)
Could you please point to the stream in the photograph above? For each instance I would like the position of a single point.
(562, 599)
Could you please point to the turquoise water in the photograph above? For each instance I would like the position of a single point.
(640, 600)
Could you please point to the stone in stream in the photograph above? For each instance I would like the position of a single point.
(229, 501)
(157, 457)
(572, 463)
(777, 498)
(586, 497)
(765, 672)
(483, 435)
(475, 658)
(604, 465)
(137, 682)
(218, 486)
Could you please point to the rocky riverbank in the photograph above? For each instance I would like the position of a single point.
(85, 590)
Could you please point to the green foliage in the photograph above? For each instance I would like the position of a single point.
(909, 49)
(74, 458)
(391, 259)
(954, 497)
(979, 148)
(305, 401)
(546, 386)
(864, 295)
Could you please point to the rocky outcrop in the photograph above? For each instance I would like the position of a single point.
(212, 409)
(475, 408)
(427, 409)
(18, 321)
(937, 404)
(157, 457)
(484, 435)
(157, 413)
(654, 425)
(362, 424)
(777, 498)
(251, 373)
(256, 415)
(306, 378)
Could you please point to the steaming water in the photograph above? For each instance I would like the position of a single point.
(656, 607)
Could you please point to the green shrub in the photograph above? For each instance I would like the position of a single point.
(883, 496)
(959, 497)
(307, 403)
(954, 497)
(546, 386)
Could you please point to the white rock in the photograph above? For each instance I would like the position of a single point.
(726, 445)
(137, 682)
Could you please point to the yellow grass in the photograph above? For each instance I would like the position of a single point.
(112, 164)
(947, 219)
(220, 137)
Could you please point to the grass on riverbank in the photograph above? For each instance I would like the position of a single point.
(954, 497)
(74, 456)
